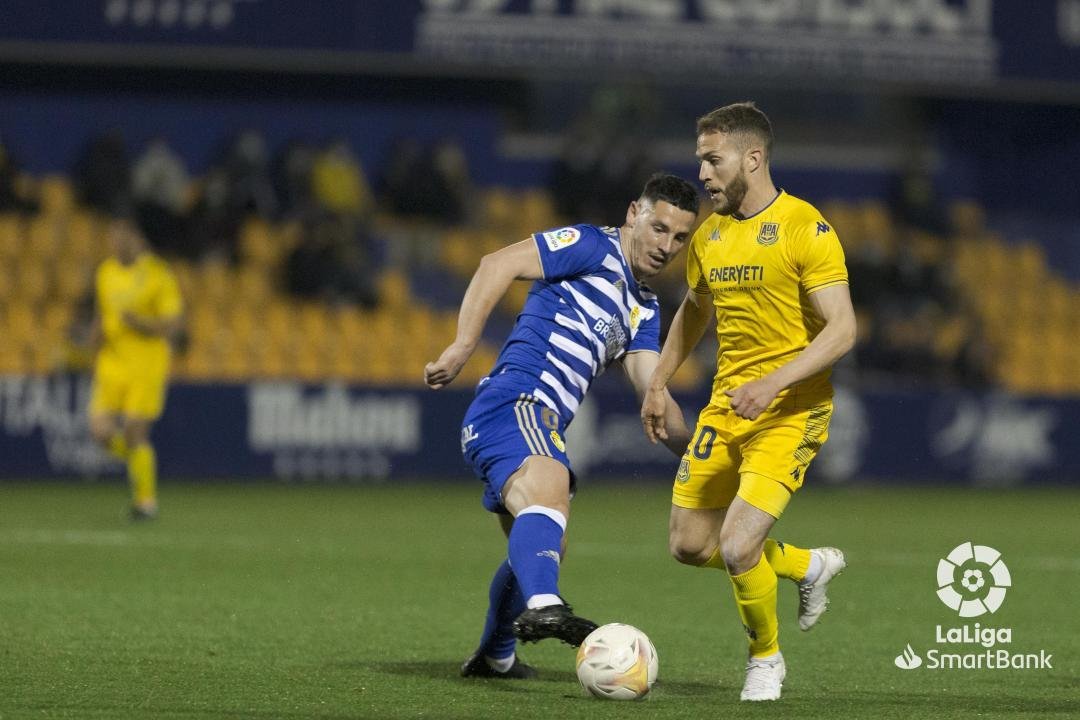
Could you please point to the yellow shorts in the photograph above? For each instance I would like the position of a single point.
(763, 461)
(120, 390)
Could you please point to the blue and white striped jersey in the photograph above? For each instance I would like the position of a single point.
(587, 312)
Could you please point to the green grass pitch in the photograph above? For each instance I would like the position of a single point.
(271, 601)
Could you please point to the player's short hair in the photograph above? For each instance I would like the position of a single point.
(671, 189)
(741, 118)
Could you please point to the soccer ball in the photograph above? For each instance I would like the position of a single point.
(617, 662)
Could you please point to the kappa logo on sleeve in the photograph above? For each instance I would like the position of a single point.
(562, 238)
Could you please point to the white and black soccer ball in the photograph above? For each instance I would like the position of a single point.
(617, 662)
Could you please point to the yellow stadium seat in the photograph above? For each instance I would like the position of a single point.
(968, 218)
(269, 360)
(72, 281)
(279, 321)
(13, 357)
(186, 279)
(537, 211)
(204, 321)
(394, 292)
(456, 252)
(84, 232)
(200, 363)
(1030, 263)
(310, 365)
(243, 323)
(57, 317)
(841, 216)
(499, 209)
(877, 223)
(257, 244)
(11, 237)
(44, 233)
(56, 195)
(31, 281)
(7, 285)
(236, 363)
(254, 286)
(216, 282)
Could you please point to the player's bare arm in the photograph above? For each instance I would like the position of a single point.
(497, 270)
(158, 327)
(639, 368)
(689, 324)
(833, 305)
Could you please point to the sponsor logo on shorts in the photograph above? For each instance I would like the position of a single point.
(467, 436)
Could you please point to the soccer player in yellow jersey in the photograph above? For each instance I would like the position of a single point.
(138, 312)
(772, 270)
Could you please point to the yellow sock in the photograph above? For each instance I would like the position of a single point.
(142, 474)
(787, 561)
(118, 446)
(755, 594)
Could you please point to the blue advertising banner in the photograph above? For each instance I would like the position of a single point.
(333, 432)
(929, 42)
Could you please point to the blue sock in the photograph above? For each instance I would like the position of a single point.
(505, 603)
(534, 545)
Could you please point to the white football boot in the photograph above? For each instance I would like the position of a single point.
(812, 599)
(764, 677)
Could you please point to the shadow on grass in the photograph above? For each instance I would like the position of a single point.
(440, 670)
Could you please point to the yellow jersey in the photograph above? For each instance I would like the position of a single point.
(760, 272)
(147, 288)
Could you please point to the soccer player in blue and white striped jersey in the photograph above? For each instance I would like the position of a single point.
(588, 307)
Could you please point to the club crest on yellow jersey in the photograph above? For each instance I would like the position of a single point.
(769, 233)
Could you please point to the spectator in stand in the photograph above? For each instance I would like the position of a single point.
(159, 186)
(332, 262)
(339, 184)
(14, 196)
(430, 184)
(292, 178)
(102, 175)
(237, 186)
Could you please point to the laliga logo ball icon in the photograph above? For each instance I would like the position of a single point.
(972, 580)
(617, 662)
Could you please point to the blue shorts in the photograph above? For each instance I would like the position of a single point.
(503, 427)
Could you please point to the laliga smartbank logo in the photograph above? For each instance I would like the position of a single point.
(972, 581)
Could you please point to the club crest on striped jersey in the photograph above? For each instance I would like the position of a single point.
(769, 233)
(635, 317)
(561, 238)
(558, 441)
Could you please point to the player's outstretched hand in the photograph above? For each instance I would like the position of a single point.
(652, 414)
(446, 368)
(750, 400)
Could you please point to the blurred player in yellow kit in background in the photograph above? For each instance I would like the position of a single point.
(138, 313)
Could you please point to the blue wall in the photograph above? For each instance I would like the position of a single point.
(333, 432)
